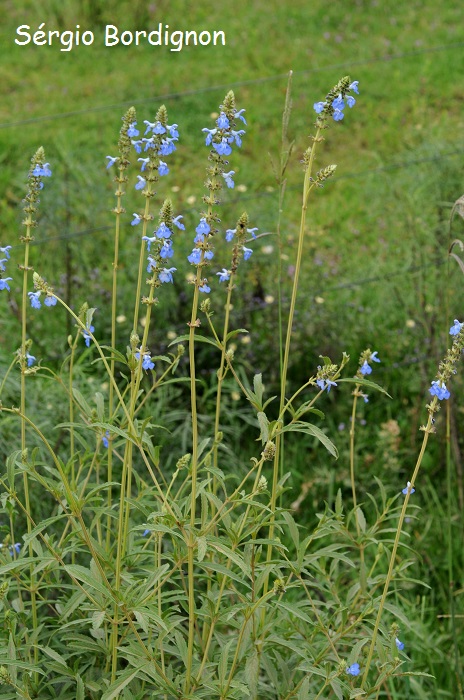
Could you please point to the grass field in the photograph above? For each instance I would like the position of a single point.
(375, 270)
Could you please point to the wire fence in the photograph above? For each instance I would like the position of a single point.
(388, 167)
(240, 83)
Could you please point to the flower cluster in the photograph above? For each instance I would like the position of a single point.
(334, 103)
(42, 288)
(366, 358)
(325, 375)
(162, 249)
(240, 236)
(447, 367)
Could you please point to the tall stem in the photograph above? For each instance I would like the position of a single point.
(427, 431)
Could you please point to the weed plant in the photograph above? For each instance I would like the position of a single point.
(147, 551)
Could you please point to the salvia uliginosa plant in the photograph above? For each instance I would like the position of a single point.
(133, 568)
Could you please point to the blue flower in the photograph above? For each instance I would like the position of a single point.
(353, 670)
(137, 145)
(228, 178)
(179, 223)
(195, 256)
(366, 368)
(44, 170)
(111, 161)
(204, 288)
(147, 362)
(159, 129)
(151, 264)
(222, 121)
(209, 255)
(149, 143)
(325, 384)
(239, 115)
(374, 357)
(132, 131)
(4, 283)
(136, 220)
(141, 183)
(144, 162)
(209, 137)
(439, 389)
(146, 532)
(162, 169)
(338, 103)
(222, 148)
(163, 231)
(230, 233)
(224, 275)
(165, 274)
(203, 227)
(350, 101)
(247, 253)
(167, 250)
(6, 251)
(338, 115)
(408, 489)
(319, 107)
(2, 266)
(30, 359)
(173, 131)
(86, 335)
(34, 298)
(149, 241)
(400, 645)
(252, 231)
(456, 328)
(105, 440)
(354, 86)
(155, 127)
(235, 136)
(167, 147)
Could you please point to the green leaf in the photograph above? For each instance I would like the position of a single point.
(364, 382)
(202, 548)
(360, 519)
(309, 429)
(80, 688)
(123, 679)
(11, 461)
(258, 386)
(232, 334)
(252, 671)
(82, 574)
(200, 338)
(264, 426)
(97, 619)
(84, 406)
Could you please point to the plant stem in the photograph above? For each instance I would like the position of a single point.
(388, 579)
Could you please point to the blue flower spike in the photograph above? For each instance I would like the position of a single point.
(335, 102)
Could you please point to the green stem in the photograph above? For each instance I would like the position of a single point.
(388, 579)
(307, 186)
